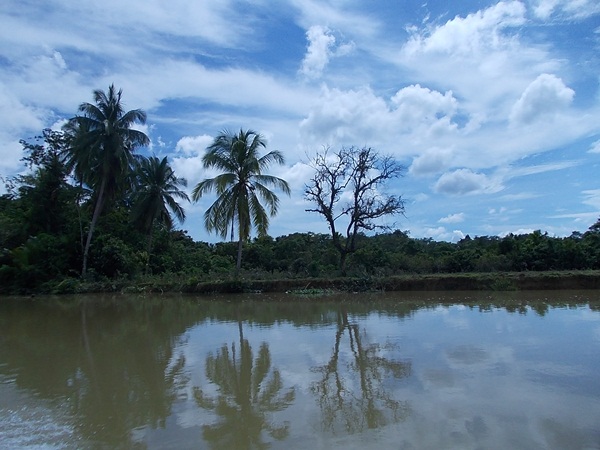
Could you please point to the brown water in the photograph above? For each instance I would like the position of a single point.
(396, 370)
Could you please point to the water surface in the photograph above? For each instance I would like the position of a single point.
(395, 370)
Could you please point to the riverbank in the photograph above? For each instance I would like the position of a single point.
(506, 281)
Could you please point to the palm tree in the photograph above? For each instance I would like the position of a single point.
(155, 191)
(249, 395)
(102, 150)
(241, 186)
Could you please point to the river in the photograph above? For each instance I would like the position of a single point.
(431, 370)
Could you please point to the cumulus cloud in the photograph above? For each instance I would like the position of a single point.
(432, 161)
(415, 104)
(441, 234)
(453, 218)
(320, 42)
(470, 35)
(345, 116)
(546, 95)
(360, 115)
(193, 145)
(321, 47)
(188, 160)
(16, 115)
(190, 168)
(465, 181)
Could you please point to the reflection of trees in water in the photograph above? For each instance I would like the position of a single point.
(369, 405)
(108, 366)
(248, 391)
(129, 372)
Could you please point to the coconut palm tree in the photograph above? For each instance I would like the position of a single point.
(156, 188)
(241, 187)
(102, 149)
(249, 396)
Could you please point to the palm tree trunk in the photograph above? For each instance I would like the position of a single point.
(238, 266)
(149, 249)
(97, 211)
(79, 214)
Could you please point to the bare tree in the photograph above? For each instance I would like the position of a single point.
(347, 185)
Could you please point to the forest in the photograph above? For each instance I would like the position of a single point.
(89, 209)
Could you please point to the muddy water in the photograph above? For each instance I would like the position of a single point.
(401, 371)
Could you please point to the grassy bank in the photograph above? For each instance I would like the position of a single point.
(508, 281)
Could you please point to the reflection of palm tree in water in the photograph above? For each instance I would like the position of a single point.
(248, 391)
(372, 407)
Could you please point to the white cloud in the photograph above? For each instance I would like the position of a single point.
(441, 234)
(321, 48)
(415, 105)
(188, 162)
(432, 161)
(190, 168)
(345, 117)
(296, 175)
(12, 152)
(517, 232)
(481, 58)
(193, 145)
(592, 198)
(576, 9)
(520, 196)
(464, 181)
(540, 168)
(595, 147)
(469, 36)
(441, 100)
(18, 116)
(337, 16)
(320, 42)
(546, 95)
(453, 218)
(411, 118)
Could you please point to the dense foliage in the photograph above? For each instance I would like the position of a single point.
(360, 175)
(242, 187)
(72, 189)
(43, 220)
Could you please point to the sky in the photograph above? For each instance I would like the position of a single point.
(492, 107)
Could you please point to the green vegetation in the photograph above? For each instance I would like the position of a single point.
(363, 173)
(241, 186)
(85, 181)
(101, 147)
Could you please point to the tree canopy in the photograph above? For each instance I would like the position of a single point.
(242, 188)
(347, 185)
(102, 147)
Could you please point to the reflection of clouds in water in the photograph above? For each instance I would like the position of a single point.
(475, 358)
(553, 369)
(457, 322)
(437, 379)
(586, 315)
(470, 388)
(467, 354)
(493, 412)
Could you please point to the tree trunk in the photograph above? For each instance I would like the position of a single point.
(149, 249)
(238, 265)
(97, 211)
(343, 258)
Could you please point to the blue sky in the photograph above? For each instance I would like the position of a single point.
(493, 107)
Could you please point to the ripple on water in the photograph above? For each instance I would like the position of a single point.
(25, 424)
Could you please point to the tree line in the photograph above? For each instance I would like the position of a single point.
(92, 207)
